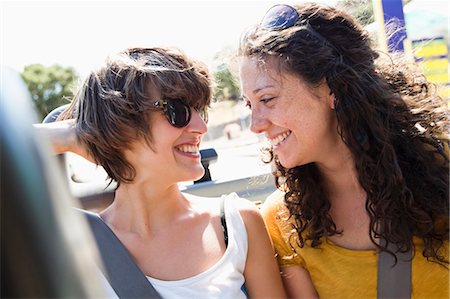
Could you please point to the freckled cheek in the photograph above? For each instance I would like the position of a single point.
(289, 119)
(281, 117)
(286, 124)
(279, 120)
(300, 126)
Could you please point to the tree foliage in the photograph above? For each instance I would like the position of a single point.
(226, 87)
(50, 87)
(226, 84)
(362, 10)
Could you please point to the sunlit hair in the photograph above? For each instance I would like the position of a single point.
(111, 105)
(389, 117)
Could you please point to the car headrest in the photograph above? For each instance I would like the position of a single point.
(53, 115)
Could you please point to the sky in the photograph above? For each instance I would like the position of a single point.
(82, 33)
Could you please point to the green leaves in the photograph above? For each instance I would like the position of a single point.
(50, 87)
(226, 87)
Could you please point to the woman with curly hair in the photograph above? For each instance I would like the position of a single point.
(361, 154)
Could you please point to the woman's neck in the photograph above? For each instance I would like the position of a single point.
(348, 200)
(339, 173)
(145, 208)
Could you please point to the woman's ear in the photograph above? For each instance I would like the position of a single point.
(332, 101)
(330, 98)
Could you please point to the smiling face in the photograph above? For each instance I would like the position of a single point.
(298, 121)
(173, 155)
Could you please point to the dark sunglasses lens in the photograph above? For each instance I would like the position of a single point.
(178, 113)
(280, 17)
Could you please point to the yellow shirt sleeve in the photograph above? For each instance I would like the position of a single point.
(281, 230)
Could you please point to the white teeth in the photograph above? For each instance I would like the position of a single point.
(277, 140)
(188, 148)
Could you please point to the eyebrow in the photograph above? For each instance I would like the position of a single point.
(258, 90)
(262, 88)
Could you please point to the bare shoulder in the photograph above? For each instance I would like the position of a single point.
(250, 215)
(262, 278)
(248, 209)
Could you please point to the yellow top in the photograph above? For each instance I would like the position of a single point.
(338, 272)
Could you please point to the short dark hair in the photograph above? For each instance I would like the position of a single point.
(111, 103)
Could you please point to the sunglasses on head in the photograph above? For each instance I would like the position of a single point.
(280, 16)
(177, 112)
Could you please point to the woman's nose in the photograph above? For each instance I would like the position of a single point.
(259, 122)
(197, 122)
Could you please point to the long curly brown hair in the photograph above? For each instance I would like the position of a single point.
(389, 117)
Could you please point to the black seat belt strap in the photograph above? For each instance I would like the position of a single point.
(394, 280)
(223, 221)
(122, 273)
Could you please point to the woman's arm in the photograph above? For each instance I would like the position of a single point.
(63, 137)
(262, 275)
(298, 283)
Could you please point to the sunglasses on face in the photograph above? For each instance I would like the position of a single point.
(280, 16)
(178, 113)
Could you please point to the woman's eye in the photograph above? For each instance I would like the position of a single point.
(266, 100)
(248, 105)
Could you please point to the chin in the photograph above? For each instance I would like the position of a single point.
(195, 174)
(200, 175)
(288, 163)
(285, 162)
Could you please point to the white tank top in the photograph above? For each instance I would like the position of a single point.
(225, 279)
